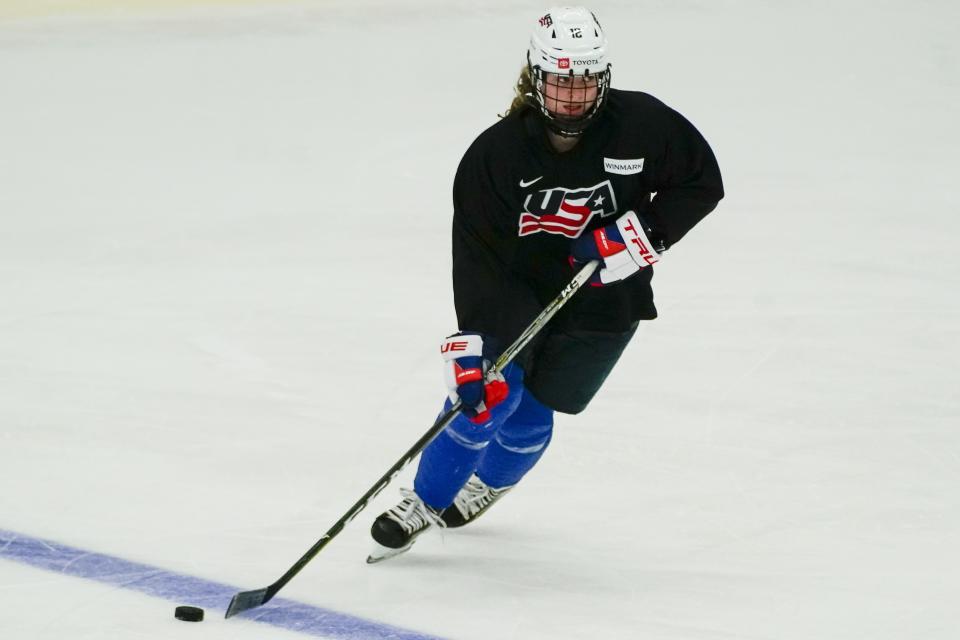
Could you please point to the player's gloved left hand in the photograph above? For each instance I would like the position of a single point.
(623, 248)
(468, 377)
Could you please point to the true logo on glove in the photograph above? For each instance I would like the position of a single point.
(646, 254)
(459, 345)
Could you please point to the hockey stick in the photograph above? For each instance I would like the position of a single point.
(250, 599)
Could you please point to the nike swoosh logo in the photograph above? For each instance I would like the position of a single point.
(528, 183)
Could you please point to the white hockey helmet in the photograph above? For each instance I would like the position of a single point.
(568, 41)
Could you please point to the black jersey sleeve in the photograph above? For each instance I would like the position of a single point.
(489, 295)
(689, 183)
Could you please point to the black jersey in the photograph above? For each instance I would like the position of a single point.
(518, 204)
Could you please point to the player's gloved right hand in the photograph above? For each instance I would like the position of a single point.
(467, 372)
(623, 248)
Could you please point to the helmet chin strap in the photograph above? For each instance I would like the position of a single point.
(556, 129)
(562, 143)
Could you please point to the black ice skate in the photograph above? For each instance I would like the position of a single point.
(474, 498)
(395, 530)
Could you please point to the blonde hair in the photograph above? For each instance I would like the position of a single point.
(522, 93)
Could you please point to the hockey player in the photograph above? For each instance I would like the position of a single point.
(575, 171)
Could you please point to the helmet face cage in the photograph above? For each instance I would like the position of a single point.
(574, 108)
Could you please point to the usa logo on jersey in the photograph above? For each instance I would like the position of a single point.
(566, 212)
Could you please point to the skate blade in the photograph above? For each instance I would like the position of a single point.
(381, 553)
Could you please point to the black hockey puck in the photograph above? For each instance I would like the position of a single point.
(190, 614)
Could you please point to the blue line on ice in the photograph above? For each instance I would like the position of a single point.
(183, 589)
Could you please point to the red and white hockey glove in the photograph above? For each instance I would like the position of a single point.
(468, 378)
(623, 248)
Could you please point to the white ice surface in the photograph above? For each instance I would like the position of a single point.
(224, 271)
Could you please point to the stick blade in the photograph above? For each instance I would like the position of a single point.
(248, 600)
